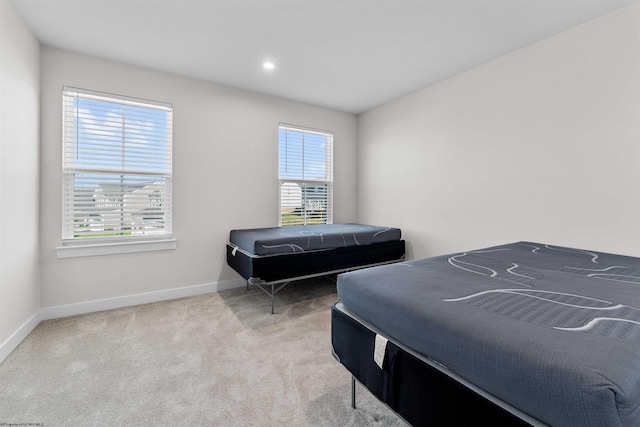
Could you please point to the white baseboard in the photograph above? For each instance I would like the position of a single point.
(59, 311)
(18, 336)
(131, 300)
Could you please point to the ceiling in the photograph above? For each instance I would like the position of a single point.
(350, 55)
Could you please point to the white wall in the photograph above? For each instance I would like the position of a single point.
(540, 145)
(19, 184)
(225, 176)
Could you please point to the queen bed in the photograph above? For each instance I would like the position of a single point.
(517, 334)
(271, 258)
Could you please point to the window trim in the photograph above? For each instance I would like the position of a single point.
(328, 181)
(113, 248)
(80, 247)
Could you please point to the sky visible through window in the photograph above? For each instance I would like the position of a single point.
(111, 135)
(302, 155)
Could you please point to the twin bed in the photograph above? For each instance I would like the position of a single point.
(271, 258)
(517, 334)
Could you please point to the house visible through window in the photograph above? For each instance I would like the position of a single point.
(305, 169)
(116, 167)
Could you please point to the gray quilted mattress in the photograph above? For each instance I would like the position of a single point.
(553, 331)
(279, 240)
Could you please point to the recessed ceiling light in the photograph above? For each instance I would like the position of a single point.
(268, 65)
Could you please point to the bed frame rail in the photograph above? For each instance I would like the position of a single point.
(264, 285)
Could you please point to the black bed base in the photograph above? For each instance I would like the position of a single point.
(417, 391)
(270, 268)
(271, 273)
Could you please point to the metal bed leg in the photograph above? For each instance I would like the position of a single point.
(353, 392)
(273, 292)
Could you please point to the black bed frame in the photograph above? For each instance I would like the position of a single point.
(271, 273)
(416, 388)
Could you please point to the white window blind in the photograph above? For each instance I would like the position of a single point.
(116, 160)
(305, 169)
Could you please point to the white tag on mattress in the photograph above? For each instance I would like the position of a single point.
(379, 350)
(233, 252)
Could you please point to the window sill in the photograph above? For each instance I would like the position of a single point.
(82, 250)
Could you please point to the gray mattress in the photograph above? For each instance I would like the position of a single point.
(279, 240)
(553, 331)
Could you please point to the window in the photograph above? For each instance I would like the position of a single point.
(116, 160)
(305, 176)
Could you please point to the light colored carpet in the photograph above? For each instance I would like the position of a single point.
(213, 360)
